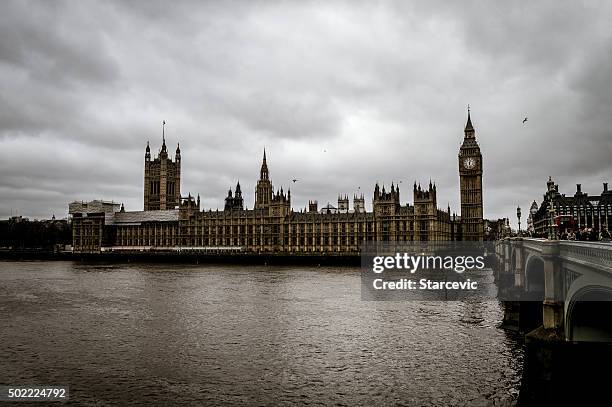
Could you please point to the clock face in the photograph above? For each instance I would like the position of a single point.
(469, 163)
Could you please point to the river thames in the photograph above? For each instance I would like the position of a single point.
(154, 334)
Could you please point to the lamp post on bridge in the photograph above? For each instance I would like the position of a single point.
(518, 215)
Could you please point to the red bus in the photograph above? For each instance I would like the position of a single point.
(565, 223)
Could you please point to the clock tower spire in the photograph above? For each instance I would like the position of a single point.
(469, 129)
(470, 183)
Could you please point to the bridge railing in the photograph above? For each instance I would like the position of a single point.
(591, 254)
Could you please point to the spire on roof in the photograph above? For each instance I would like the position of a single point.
(163, 147)
(468, 125)
(264, 174)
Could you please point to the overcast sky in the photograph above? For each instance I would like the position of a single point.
(341, 95)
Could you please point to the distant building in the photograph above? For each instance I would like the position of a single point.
(91, 219)
(497, 229)
(533, 210)
(170, 222)
(573, 212)
(47, 234)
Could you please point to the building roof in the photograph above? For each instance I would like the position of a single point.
(136, 218)
(326, 217)
(95, 206)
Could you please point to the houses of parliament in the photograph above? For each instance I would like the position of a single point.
(171, 222)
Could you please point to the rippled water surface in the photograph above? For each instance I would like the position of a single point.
(225, 335)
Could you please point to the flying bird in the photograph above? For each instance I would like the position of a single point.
(295, 180)
(524, 120)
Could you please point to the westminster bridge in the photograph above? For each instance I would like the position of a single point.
(561, 285)
(559, 293)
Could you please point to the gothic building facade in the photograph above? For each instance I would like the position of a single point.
(170, 222)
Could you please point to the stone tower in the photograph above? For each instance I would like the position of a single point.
(162, 178)
(386, 203)
(358, 203)
(343, 203)
(470, 181)
(280, 205)
(235, 202)
(263, 191)
(313, 206)
(385, 206)
(425, 210)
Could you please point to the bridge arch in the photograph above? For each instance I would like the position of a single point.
(534, 274)
(588, 315)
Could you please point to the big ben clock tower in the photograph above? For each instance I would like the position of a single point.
(470, 180)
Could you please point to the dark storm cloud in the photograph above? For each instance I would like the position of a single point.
(60, 56)
(341, 94)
